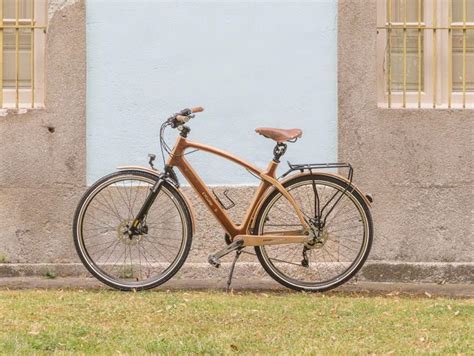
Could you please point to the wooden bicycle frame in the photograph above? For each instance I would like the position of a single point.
(242, 231)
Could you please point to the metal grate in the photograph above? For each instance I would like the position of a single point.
(22, 33)
(426, 29)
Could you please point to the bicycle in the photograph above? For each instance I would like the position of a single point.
(311, 230)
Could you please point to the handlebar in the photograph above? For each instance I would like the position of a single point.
(185, 115)
(197, 109)
(182, 119)
(186, 112)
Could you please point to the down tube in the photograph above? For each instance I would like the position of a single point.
(200, 187)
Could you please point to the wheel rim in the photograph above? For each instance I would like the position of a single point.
(340, 252)
(136, 261)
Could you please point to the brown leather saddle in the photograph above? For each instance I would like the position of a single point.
(280, 135)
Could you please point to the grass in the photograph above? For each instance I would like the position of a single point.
(36, 321)
(50, 275)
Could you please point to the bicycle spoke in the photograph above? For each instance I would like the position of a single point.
(341, 239)
(106, 204)
(138, 257)
(288, 262)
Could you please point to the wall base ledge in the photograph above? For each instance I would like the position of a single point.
(373, 271)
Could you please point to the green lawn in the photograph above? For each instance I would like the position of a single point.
(214, 322)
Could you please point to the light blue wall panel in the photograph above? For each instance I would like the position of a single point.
(249, 63)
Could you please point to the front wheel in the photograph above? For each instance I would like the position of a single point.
(143, 260)
(343, 242)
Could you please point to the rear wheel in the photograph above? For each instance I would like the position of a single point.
(342, 244)
(141, 261)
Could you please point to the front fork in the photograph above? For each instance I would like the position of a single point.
(150, 199)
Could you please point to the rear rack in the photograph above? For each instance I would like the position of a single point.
(311, 166)
(322, 212)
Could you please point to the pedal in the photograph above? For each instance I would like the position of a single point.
(214, 261)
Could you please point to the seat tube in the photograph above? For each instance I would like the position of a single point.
(269, 176)
(272, 167)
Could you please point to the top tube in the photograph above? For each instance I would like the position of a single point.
(223, 154)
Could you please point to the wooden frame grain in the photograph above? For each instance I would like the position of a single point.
(268, 180)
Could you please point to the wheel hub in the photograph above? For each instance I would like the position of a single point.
(319, 235)
(125, 234)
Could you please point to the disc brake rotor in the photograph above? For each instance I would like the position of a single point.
(124, 235)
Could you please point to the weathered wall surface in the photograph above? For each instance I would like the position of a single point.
(418, 164)
(42, 153)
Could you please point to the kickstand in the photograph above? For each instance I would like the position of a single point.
(231, 272)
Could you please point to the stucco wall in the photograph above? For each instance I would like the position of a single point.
(418, 164)
(42, 153)
(249, 63)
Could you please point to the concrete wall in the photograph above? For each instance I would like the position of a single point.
(417, 164)
(249, 63)
(42, 153)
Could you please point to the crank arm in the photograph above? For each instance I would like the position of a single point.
(215, 259)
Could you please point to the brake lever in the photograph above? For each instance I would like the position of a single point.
(180, 120)
(185, 112)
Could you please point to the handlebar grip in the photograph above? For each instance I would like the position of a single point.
(182, 119)
(197, 109)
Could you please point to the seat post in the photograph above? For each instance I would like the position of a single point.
(279, 151)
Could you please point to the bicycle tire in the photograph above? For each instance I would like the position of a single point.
(78, 235)
(358, 201)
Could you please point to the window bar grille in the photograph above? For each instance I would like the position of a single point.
(464, 35)
(17, 55)
(404, 53)
(435, 54)
(1, 53)
(435, 26)
(17, 25)
(450, 52)
(389, 29)
(419, 54)
(32, 54)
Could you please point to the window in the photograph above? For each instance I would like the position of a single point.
(22, 40)
(425, 53)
